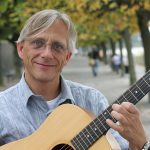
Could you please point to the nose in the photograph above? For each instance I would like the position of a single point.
(47, 52)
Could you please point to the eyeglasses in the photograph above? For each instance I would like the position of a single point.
(40, 44)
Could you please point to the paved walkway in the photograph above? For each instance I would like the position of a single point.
(109, 83)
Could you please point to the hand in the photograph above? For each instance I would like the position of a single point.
(129, 124)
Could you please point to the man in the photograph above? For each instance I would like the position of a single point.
(94, 59)
(116, 62)
(45, 46)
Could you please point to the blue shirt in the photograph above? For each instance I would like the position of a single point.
(22, 112)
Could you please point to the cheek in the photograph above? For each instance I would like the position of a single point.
(28, 57)
(61, 62)
(67, 57)
(65, 60)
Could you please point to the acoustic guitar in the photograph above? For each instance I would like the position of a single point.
(69, 127)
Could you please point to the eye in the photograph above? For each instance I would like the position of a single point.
(38, 43)
(58, 47)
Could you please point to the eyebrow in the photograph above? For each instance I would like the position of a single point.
(41, 38)
(52, 41)
(59, 42)
(38, 38)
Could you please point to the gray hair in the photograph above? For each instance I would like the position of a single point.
(42, 20)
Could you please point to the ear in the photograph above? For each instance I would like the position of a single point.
(20, 47)
(68, 56)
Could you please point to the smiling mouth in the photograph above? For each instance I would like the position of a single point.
(45, 65)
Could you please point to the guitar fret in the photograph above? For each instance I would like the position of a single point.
(87, 141)
(140, 89)
(80, 142)
(133, 95)
(93, 129)
(104, 116)
(111, 117)
(76, 143)
(102, 124)
(107, 114)
(130, 97)
(147, 87)
(98, 123)
(96, 128)
(88, 135)
(102, 121)
(118, 102)
(136, 90)
(146, 82)
(125, 98)
(144, 87)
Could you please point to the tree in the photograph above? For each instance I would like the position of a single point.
(10, 27)
(142, 11)
(1, 73)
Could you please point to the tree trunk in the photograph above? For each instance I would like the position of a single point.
(143, 18)
(103, 45)
(1, 72)
(128, 44)
(145, 35)
(121, 54)
(18, 62)
(113, 46)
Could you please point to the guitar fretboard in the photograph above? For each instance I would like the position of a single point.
(98, 127)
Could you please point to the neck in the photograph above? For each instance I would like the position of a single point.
(48, 89)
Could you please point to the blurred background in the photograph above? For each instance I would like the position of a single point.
(116, 29)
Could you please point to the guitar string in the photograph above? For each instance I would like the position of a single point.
(132, 93)
(146, 88)
(67, 147)
(139, 94)
(128, 97)
(71, 148)
(122, 99)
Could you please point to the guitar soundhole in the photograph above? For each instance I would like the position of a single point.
(62, 147)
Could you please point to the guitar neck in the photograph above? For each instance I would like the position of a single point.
(98, 126)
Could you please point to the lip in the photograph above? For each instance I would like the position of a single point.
(42, 65)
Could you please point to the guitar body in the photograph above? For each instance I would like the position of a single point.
(59, 128)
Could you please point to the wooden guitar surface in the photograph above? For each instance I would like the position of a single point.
(59, 128)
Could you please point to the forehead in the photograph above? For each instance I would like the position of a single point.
(57, 31)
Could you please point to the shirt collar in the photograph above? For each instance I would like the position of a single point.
(66, 91)
(26, 93)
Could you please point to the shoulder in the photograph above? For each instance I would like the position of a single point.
(73, 84)
(9, 90)
(88, 97)
(8, 94)
(78, 87)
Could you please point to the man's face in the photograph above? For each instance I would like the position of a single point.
(45, 55)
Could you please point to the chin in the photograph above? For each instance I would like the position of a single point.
(45, 78)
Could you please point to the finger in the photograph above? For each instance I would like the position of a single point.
(120, 109)
(114, 126)
(119, 117)
(130, 107)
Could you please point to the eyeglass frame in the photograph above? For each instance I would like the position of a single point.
(62, 48)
